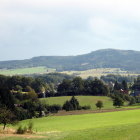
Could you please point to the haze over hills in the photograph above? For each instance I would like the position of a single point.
(107, 58)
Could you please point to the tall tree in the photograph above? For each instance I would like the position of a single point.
(6, 98)
(124, 85)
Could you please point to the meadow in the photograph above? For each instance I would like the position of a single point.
(121, 125)
(26, 71)
(83, 100)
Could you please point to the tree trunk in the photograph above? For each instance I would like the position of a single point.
(4, 126)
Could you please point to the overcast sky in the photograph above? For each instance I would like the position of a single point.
(67, 27)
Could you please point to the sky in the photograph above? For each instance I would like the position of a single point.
(31, 28)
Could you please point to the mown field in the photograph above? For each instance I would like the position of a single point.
(83, 100)
(100, 72)
(122, 125)
(26, 71)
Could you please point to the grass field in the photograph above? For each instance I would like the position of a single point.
(23, 71)
(100, 72)
(123, 125)
(83, 100)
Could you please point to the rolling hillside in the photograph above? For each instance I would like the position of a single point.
(108, 58)
(122, 125)
(83, 100)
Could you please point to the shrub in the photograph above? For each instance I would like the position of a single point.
(99, 104)
(73, 104)
(86, 107)
(118, 102)
(30, 127)
(54, 108)
(132, 101)
(21, 130)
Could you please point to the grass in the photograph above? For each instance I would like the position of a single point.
(84, 74)
(100, 72)
(83, 100)
(24, 71)
(123, 125)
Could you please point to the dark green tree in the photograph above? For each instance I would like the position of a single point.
(124, 85)
(99, 104)
(117, 102)
(65, 87)
(67, 106)
(6, 98)
(117, 86)
(77, 86)
(74, 103)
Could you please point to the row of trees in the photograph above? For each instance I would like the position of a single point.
(78, 86)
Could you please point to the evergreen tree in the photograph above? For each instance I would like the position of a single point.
(74, 102)
(124, 85)
(117, 86)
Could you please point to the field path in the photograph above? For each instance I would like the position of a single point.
(78, 112)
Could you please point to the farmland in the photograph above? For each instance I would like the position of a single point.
(100, 72)
(26, 71)
(122, 125)
(83, 74)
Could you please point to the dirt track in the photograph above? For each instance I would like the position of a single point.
(78, 112)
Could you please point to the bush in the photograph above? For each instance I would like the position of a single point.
(99, 104)
(132, 101)
(30, 127)
(118, 102)
(54, 108)
(21, 130)
(86, 107)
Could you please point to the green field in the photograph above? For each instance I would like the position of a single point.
(24, 71)
(122, 125)
(84, 74)
(83, 100)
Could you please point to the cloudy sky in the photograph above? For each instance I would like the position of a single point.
(67, 27)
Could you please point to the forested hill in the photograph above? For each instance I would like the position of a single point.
(107, 58)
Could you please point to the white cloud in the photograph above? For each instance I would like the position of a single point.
(68, 23)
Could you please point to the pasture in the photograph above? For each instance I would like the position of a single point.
(83, 100)
(26, 71)
(121, 125)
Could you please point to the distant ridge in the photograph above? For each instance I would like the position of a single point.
(105, 58)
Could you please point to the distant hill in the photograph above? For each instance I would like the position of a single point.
(107, 58)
